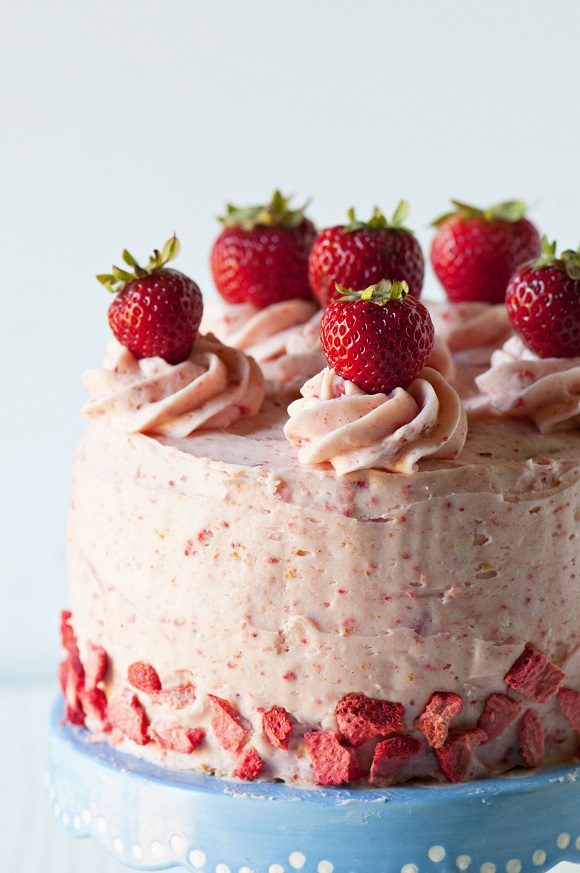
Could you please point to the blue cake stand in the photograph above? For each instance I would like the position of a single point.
(151, 820)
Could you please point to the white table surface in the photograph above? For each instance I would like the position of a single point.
(31, 840)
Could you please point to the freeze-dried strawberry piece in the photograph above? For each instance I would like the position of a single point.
(249, 765)
(126, 713)
(177, 737)
(390, 757)
(361, 718)
(67, 634)
(455, 754)
(333, 763)
(569, 701)
(143, 677)
(277, 727)
(95, 665)
(441, 709)
(176, 697)
(498, 713)
(531, 739)
(72, 682)
(74, 714)
(94, 702)
(534, 675)
(231, 731)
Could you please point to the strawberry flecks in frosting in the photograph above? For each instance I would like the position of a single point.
(338, 423)
(519, 384)
(212, 388)
(471, 330)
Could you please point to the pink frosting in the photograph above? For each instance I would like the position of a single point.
(519, 384)
(338, 423)
(214, 387)
(471, 330)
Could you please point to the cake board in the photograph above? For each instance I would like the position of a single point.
(152, 819)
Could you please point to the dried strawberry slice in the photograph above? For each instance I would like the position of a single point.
(249, 765)
(95, 665)
(434, 721)
(390, 757)
(498, 713)
(531, 739)
(144, 677)
(569, 701)
(177, 737)
(175, 697)
(72, 682)
(361, 718)
(94, 701)
(231, 731)
(67, 634)
(455, 754)
(333, 763)
(277, 727)
(534, 676)
(126, 713)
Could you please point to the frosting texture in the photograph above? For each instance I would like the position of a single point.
(214, 387)
(519, 384)
(471, 330)
(338, 423)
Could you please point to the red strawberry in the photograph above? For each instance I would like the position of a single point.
(360, 254)
(475, 251)
(261, 255)
(157, 311)
(378, 338)
(543, 303)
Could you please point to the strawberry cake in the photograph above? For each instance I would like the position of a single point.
(343, 586)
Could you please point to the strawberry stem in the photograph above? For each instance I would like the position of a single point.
(277, 213)
(509, 210)
(115, 281)
(568, 262)
(380, 293)
(377, 221)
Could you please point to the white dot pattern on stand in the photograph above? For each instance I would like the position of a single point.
(118, 845)
(325, 867)
(77, 822)
(436, 853)
(86, 816)
(197, 858)
(275, 868)
(296, 860)
(577, 843)
(463, 862)
(156, 849)
(222, 868)
(138, 852)
(488, 867)
(539, 857)
(244, 870)
(409, 868)
(101, 825)
(177, 843)
(563, 841)
(513, 866)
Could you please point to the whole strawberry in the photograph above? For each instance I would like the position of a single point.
(378, 338)
(475, 251)
(261, 255)
(360, 254)
(543, 303)
(157, 311)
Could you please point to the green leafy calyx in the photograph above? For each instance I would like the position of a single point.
(381, 293)
(116, 280)
(377, 221)
(277, 213)
(568, 262)
(510, 210)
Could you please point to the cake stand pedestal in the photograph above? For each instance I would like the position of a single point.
(150, 819)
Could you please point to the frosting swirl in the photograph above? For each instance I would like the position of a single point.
(472, 330)
(212, 388)
(519, 384)
(338, 423)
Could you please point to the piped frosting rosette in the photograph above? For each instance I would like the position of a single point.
(338, 423)
(519, 384)
(212, 388)
(471, 330)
